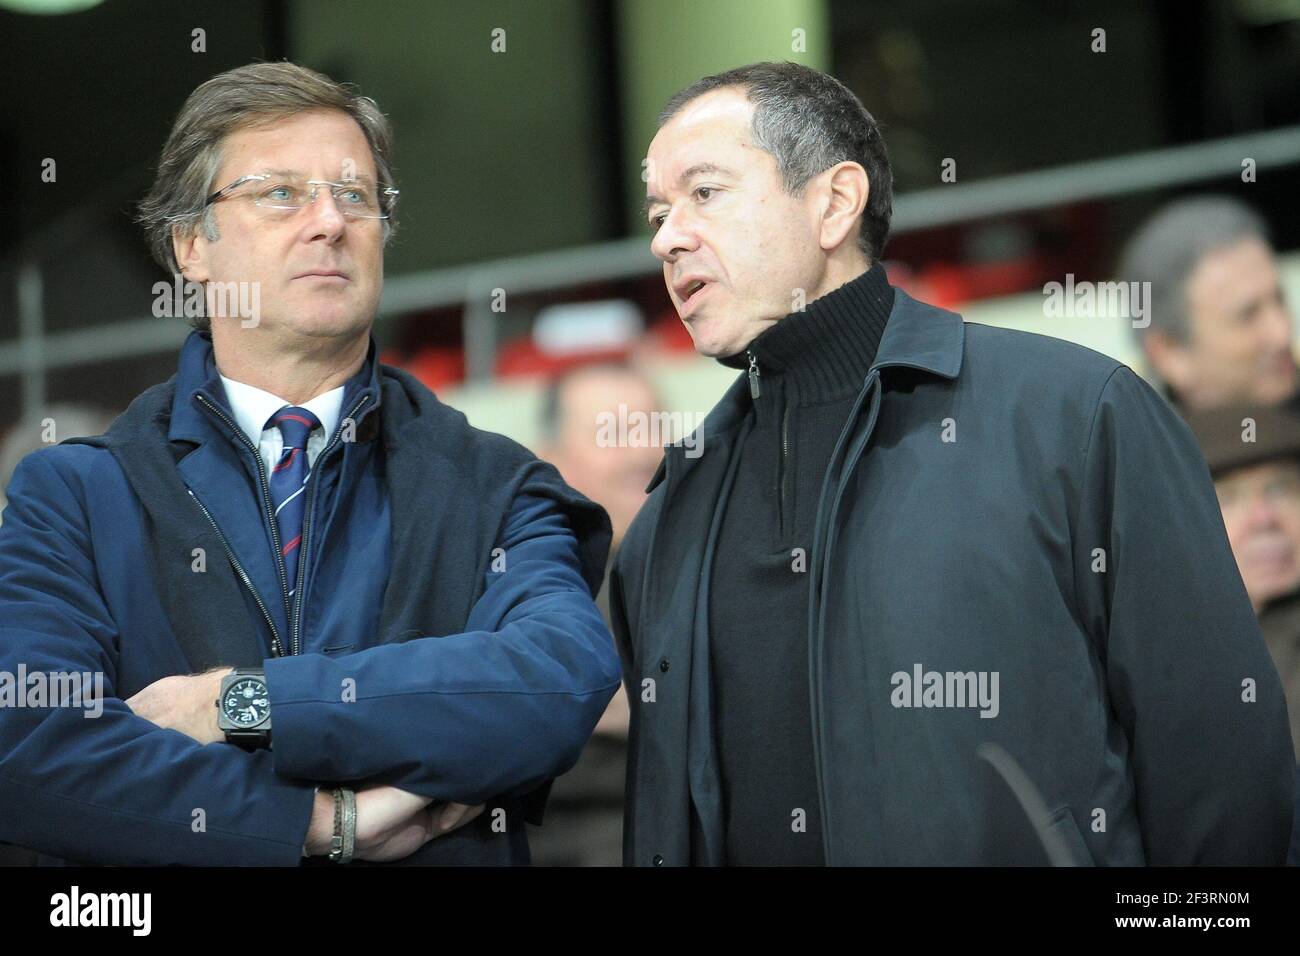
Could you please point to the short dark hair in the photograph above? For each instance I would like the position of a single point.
(809, 121)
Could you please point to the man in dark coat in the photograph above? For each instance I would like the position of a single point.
(408, 601)
(932, 593)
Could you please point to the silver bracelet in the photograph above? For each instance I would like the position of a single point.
(349, 825)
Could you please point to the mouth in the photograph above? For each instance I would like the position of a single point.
(323, 274)
(1269, 554)
(688, 292)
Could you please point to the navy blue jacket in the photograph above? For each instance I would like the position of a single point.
(448, 588)
(998, 503)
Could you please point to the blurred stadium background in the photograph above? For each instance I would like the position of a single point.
(520, 169)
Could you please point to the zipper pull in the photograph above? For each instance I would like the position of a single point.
(754, 390)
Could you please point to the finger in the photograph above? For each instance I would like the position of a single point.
(420, 822)
(396, 802)
(402, 841)
(451, 816)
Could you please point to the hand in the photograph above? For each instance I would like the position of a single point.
(614, 721)
(187, 703)
(428, 824)
(391, 823)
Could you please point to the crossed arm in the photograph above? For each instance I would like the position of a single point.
(496, 710)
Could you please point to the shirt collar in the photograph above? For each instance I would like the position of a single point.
(253, 406)
(197, 377)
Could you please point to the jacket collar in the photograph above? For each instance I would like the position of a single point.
(918, 336)
(921, 336)
(197, 375)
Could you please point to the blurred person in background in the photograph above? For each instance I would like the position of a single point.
(895, 510)
(1221, 328)
(66, 420)
(584, 815)
(1254, 457)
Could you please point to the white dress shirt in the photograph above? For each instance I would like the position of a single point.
(253, 407)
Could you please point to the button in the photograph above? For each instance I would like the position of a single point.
(659, 860)
(663, 665)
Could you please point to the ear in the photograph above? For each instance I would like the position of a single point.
(1169, 359)
(845, 188)
(191, 249)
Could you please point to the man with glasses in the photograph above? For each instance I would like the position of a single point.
(1254, 457)
(330, 620)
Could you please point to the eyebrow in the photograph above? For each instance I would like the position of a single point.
(699, 169)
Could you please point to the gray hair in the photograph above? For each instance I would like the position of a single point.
(245, 97)
(1167, 248)
(809, 122)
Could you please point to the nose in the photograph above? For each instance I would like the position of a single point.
(1279, 325)
(324, 218)
(1261, 513)
(674, 237)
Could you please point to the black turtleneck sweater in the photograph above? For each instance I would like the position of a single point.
(810, 367)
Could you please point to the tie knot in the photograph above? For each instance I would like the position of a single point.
(295, 425)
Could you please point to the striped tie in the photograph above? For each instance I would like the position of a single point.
(288, 481)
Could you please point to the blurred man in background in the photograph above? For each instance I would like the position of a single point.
(584, 816)
(1254, 457)
(1220, 330)
(66, 420)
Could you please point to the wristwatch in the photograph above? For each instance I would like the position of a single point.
(244, 708)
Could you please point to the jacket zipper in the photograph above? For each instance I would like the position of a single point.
(243, 576)
(266, 495)
(294, 635)
(782, 474)
(755, 390)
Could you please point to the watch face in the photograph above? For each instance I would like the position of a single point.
(245, 702)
